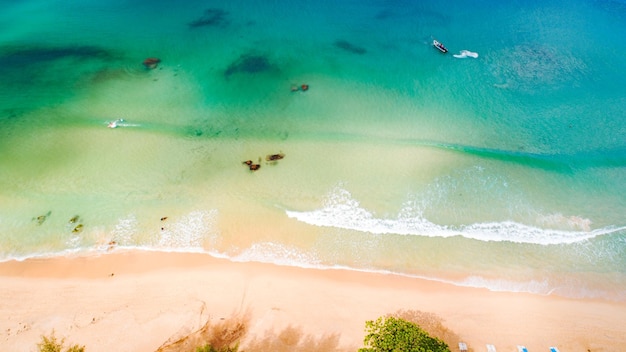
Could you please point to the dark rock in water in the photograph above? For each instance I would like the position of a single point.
(41, 218)
(274, 157)
(249, 63)
(211, 18)
(349, 47)
(151, 63)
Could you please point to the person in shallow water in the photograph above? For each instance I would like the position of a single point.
(304, 88)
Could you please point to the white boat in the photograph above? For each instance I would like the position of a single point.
(439, 46)
(114, 124)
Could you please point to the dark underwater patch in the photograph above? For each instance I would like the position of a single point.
(249, 64)
(26, 66)
(28, 56)
(384, 14)
(211, 18)
(349, 47)
(46, 73)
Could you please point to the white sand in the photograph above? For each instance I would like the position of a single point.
(152, 297)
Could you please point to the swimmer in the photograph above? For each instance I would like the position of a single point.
(254, 167)
(114, 124)
(304, 87)
(248, 162)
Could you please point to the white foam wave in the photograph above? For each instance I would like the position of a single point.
(342, 211)
(190, 231)
(279, 254)
(284, 255)
(543, 287)
(124, 230)
(498, 285)
(466, 53)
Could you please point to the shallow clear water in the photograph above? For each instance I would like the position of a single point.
(505, 171)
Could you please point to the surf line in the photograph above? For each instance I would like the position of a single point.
(466, 53)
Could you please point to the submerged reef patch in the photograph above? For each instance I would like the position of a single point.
(250, 64)
(211, 18)
(27, 66)
(349, 47)
(18, 57)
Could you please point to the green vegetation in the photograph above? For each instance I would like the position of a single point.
(209, 348)
(404, 331)
(393, 334)
(52, 344)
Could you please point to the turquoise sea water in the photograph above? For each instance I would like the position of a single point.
(505, 171)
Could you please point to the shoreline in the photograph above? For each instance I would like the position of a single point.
(140, 299)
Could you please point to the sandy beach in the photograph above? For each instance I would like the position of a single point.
(136, 301)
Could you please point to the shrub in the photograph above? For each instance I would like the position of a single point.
(392, 334)
(52, 344)
(209, 348)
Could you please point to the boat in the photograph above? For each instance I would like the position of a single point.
(114, 124)
(439, 46)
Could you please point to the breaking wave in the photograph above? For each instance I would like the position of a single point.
(343, 211)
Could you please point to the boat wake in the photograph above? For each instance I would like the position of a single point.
(466, 53)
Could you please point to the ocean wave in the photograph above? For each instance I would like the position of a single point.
(124, 230)
(343, 211)
(190, 231)
(540, 287)
(290, 256)
(279, 254)
(285, 255)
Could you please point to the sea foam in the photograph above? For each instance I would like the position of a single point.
(341, 210)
